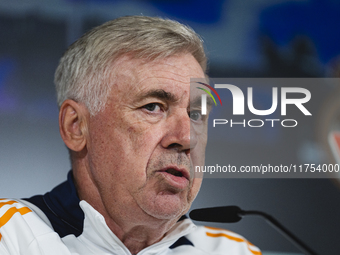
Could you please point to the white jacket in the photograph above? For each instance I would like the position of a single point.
(28, 229)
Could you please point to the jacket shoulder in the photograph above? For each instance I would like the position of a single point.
(22, 229)
(10, 211)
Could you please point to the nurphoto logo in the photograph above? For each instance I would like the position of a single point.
(238, 99)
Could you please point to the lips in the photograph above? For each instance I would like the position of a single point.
(177, 172)
(176, 177)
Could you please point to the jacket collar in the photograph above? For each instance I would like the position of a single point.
(98, 233)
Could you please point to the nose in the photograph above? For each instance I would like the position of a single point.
(178, 135)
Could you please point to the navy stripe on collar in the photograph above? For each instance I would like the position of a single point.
(181, 241)
(61, 206)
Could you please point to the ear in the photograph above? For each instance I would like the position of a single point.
(73, 124)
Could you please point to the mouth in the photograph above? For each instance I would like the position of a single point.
(175, 172)
(176, 177)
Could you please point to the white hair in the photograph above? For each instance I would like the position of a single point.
(84, 70)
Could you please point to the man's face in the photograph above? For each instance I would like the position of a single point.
(139, 150)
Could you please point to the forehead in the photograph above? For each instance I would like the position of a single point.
(172, 73)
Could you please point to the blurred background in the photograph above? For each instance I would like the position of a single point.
(263, 38)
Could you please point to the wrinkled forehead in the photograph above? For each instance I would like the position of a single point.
(172, 73)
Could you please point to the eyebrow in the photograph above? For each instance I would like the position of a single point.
(197, 102)
(160, 94)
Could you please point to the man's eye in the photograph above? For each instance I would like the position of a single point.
(153, 107)
(195, 115)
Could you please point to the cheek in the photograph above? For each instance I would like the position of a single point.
(144, 138)
(193, 193)
(198, 155)
(122, 152)
(121, 145)
(196, 187)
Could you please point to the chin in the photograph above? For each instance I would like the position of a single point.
(166, 207)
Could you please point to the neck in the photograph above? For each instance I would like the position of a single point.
(136, 230)
(139, 237)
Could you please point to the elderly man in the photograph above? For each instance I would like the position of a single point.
(123, 93)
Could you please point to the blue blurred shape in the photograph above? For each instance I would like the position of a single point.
(6, 67)
(8, 102)
(200, 11)
(92, 1)
(317, 19)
